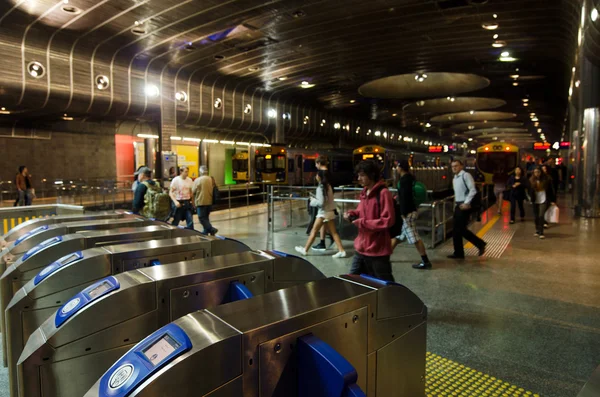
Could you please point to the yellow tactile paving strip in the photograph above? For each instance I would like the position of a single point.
(447, 378)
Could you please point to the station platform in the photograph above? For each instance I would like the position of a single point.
(523, 320)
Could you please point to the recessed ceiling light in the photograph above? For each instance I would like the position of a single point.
(420, 77)
(71, 10)
(272, 113)
(507, 59)
(306, 84)
(515, 84)
(577, 83)
(337, 126)
(490, 26)
(535, 119)
(495, 16)
(36, 70)
(594, 15)
(514, 76)
(248, 109)
(525, 104)
(470, 139)
(539, 130)
(352, 101)
(138, 31)
(496, 36)
(282, 78)
(574, 69)
(427, 125)
(394, 114)
(218, 103)
(253, 69)
(152, 91)
(499, 44)
(472, 112)
(181, 96)
(525, 100)
(505, 54)
(102, 82)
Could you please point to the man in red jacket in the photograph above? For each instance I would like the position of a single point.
(373, 217)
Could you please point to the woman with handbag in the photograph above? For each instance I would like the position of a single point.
(325, 215)
(518, 192)
(542, 196)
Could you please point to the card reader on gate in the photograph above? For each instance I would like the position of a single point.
(41, 246)
(33, 232)
(83, 298)
(54, 266)
(141, 362)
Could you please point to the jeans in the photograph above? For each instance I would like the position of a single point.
(203, 214)
(461, 220)
(539, 210)
(21, 198)
(513, 207)
(376, 266)
(184, 212)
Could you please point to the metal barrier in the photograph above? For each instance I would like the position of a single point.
(13, 216)
(438, 224)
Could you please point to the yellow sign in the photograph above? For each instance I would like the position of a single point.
(187, 155)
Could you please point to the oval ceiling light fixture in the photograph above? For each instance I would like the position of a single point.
(514, 76)
(152, 91)
(36, 70)
(248, 109)
(499, 44)
(490, 26)
(218, 103)
(181, 96)
(102, 82)
(594, 15)
(306, 84)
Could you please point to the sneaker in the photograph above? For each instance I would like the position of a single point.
(340, 254)
(422, 266)
(301, 251)
(546, 226)
(542, 237)
(536, 235)
(214, 231)
(512, 222)
(319, 247)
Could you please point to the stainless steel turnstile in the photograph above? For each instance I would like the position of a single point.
(30, 240)
(28, 226)
(58, 282)
(80, 341)
(592, 387)
(249, 348)
(55, 248)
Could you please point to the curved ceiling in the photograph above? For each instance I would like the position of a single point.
(464, 117)
(422, 85)
(265, 50)
(452, 104)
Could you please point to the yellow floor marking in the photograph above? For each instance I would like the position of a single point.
(5, 226)
(12, 223)
(20, 220)
(486, 228)
(448, 378)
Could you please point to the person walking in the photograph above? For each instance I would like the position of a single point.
(542, 195)
(181, 194)
(464, 193)
(25, 190)
(499, 181)
(203, 199)
(408, 211)
(325, 215)
(373, 217)
(518, 192)
(548, 173)
(322, 165)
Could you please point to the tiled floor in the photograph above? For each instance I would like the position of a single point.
(530, 317)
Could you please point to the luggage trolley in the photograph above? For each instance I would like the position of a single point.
(73, 347)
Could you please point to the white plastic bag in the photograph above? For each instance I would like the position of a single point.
(552, 214)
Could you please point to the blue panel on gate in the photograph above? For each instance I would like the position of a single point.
(84, 298)
(142, 361)
(30, 233)
(54, 266)
(323, 372)
(41, 246)
(238, 292)
(378, 280)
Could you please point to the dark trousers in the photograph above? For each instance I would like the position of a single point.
(203, 216)
(184, 212)
(539, 210)
(376, 266)
(461, 221)
(513, 207)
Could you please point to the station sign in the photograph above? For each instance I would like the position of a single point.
(565, 145)
(541, 146)
(436, 149)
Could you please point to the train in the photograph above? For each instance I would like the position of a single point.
(497, 161)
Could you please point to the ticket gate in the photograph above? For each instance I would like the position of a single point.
(592, 386)
(257, 347)
(43, 233)
(82, 339)
(28, 226)
(48, 251)
(59, 281)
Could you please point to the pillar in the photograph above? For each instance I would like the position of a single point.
(279, 125)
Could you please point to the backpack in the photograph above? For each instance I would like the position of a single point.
(157, 204)
(396, 228)
(419, 193)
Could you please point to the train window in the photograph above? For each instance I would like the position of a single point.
(260, 163)
(280, 162)
(309, 165)
(240, 165)
(494, 162)
(269, 164)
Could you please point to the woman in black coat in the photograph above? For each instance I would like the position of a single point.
(517, 184)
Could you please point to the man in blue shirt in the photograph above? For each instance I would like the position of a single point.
(464, 193)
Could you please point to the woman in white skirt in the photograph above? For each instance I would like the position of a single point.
(326, 215)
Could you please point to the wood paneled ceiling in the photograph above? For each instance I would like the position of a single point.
(310, 52)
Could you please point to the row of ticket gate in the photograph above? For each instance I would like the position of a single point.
(117, 305)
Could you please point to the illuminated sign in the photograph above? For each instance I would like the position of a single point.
(436, 149)
(565, 145)
(541, 146)
(367, 156)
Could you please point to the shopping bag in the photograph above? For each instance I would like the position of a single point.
(551, 215)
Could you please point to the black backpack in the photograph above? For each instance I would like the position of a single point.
(396, 228)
